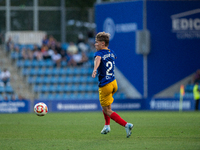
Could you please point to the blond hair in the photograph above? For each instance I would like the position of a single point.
(102, 36)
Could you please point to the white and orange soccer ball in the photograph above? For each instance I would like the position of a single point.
(40, 109)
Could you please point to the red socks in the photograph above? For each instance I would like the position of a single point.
(114, 116)
(107, 119)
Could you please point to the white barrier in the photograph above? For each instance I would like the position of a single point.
(26, 37)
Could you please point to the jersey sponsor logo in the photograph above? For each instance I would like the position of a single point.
(186, 25)
(109, 26)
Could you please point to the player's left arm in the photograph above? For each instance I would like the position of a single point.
(97, 62)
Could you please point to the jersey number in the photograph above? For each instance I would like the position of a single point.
(110, 65)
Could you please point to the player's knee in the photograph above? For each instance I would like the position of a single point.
(108, 112)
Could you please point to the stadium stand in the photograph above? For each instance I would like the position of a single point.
(6, 91)
(64, 83)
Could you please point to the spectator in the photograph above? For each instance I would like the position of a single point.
(5, 76)
(72, 49)
(78, 59)
(16, 48)
(64, 55)
(24, 53)
(38, 54)
(52, 41)
(45, 40)
(45, 53)
(58, 47)
(27, 53)
(196, 77)
(56, 57)
(196, 95)
(5, 98)
(9, 45)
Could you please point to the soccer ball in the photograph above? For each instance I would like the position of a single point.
(40, 109)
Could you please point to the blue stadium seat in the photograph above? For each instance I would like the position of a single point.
(51, 96)
(72, 96)
(33, 72)
(60, 89)
(30, 46)
(36, 88)
(39, 80)
(64, 46)
(43, 96)
(70, 71)
(27, 63)
(20, 63)
(1, 97)
(2, 89)
(9, 89)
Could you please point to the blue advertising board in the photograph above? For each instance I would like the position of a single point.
(14, 106)
(91, 105)
(169, 104)
(122, 20)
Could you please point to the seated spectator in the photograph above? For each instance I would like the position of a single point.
(56, 57)
(78, 59)
(58, 47)
(196, 77)
(45, 53)
(37, 54)
(5, 98)
(52, 41)
(5, 76)
(9, 45)
(16, 48)
(72, 49)
(45, 40)
(51, 51)
(24, 53)
(27, 53)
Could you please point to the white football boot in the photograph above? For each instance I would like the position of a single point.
(128, 129)
(106, 129)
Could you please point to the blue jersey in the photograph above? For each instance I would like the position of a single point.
(105, 70)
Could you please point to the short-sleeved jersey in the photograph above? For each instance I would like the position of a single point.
(105, 70)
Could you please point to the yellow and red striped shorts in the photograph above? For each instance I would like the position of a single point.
(106, 93)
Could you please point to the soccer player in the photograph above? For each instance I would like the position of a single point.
(104, 63)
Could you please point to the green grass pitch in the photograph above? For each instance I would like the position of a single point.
(81, 131)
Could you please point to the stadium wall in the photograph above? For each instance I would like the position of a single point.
(175, 33)
(170, 104)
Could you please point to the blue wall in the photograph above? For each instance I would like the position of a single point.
(172, 57)
(123, 42)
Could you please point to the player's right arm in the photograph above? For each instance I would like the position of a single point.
(97, 62)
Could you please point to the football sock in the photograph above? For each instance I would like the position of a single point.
(114, 116)
(107, 119)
